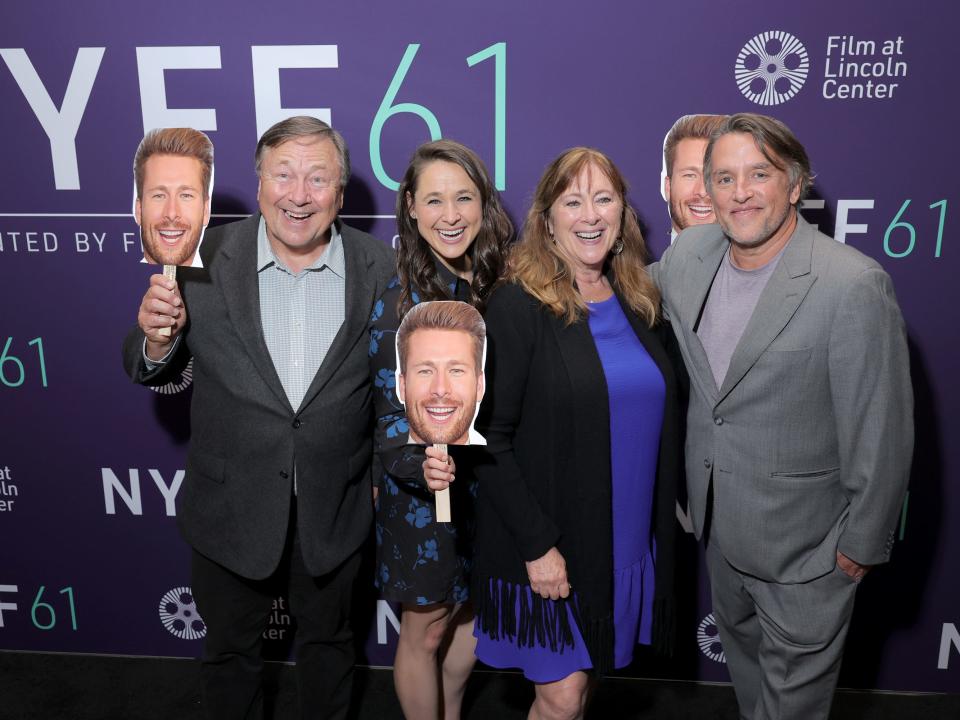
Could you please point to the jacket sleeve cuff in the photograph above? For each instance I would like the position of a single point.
(533, 546)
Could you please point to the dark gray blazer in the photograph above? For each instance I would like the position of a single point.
(234, 504)
(809, 441)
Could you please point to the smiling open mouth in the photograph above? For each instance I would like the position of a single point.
(440, 414)
(700, 211)
(452, 235)
(296, 216)
(588, 235)
(171, 237)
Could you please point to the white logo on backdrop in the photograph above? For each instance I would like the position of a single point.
(178, 613)
(178, 385)
(708, 638)
(771, 68)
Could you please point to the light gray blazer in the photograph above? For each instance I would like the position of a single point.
(245, 439)
(809, 440)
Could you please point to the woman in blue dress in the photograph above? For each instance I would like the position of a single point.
(452, 241)
(575, 525)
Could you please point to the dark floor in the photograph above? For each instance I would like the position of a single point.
(36, 686)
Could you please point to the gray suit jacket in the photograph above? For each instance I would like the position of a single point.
(234, 504)
(809, 440)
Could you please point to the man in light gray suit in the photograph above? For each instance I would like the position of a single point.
(277, 494)
(800, 429)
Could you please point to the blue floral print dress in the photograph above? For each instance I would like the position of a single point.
(419, 561)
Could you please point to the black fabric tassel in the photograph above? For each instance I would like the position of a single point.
(598, 635)
(540, 622)
(664, 626)
(547, 624)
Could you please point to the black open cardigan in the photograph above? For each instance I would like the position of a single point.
(546, 480)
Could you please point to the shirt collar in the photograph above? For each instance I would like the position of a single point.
(448, 277)
(332, 258)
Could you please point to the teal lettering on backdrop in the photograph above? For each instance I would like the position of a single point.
(911, 231)
(45, 610)
(13, 372)
(387, 110)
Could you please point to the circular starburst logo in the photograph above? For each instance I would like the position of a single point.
(771, 68)
(178, 613)
(180, 384)
(708, 638)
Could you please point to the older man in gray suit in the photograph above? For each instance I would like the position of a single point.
(800, 429)
(277, 494)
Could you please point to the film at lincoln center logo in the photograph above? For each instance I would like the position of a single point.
(178, 613)
(771, 68)
(708, 638)
(179, 383)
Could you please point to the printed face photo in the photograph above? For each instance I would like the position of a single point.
(441, 386)
(685, 189)
(173, 209)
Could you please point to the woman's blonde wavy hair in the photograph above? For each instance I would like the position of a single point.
(538, 266)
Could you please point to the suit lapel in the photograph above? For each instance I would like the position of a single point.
(589, 396)
(580, 357)
(358, 304)
(778, 302)
(238, 280)
(709, 256)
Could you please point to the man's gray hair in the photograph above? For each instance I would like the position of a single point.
(302, 126)
(777, 143)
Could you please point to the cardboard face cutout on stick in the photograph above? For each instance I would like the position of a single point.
(173, 186)
(684, 189)
(441, 352)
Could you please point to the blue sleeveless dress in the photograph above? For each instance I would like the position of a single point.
(636, 392)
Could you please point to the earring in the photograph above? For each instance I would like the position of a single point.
(618, 246)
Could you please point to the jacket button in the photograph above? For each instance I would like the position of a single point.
(706, 463)
(284, 474)
(297, 423)
(718, 420)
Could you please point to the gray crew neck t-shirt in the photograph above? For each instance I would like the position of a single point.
(732, 299)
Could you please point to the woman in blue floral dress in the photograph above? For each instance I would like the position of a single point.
(453, 235)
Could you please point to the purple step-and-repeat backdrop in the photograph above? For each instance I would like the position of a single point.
(90, 465)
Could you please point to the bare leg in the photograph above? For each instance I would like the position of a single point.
(416, 674)
(564, 699)
(457, 660)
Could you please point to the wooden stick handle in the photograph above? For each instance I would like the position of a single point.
(170, 272)
(442, 497)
